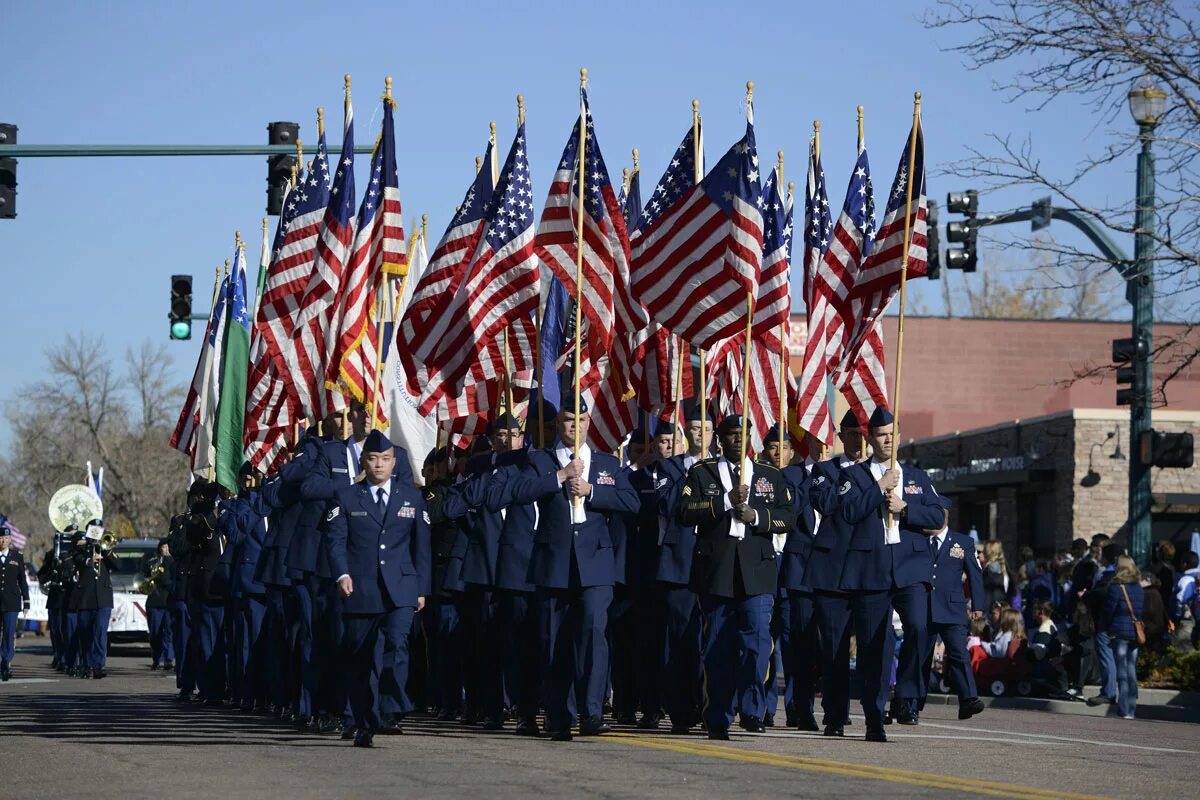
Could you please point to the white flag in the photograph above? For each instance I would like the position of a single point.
(415, 432)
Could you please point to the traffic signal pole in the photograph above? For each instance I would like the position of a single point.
(130, 150)
(1140, 291)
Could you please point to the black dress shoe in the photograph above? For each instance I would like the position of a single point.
(168, 665)
(593, 726)
(876, 734)
(99, 673)
(328, 723)
(768, 721)
(154, 667)
(751, 724)
(5, 674)
(808, 723)
(834, 730)
(364, 739)
(562, 736)
(720, 736)
(391, 727)
(909, 716)
(348, 733)
(969, 708)
(528, 727)
(649, 722)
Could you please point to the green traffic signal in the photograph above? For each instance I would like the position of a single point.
(181, 330)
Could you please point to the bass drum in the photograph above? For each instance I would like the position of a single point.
(74, 505)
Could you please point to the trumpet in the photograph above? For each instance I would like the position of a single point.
(108, 540)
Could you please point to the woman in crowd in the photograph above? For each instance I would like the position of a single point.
(996, 579)
(1012, 628)
(1122, 609)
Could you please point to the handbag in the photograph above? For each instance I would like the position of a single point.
(1139, 627)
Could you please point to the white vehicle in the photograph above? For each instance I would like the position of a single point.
(128, 622)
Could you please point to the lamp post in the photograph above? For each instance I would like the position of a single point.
(1147, 102)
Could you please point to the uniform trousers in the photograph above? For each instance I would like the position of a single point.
(208, 622)
(54, 624)
(185, 662)
(162, 648)
(780, 663)
(363, 654)
(483, 674)
(574, 652)
(800, 642)
(872, 615)
(681, 667)
(736, 653)
(70, 639)
(281, 674)
(93, 637)
(517, 621)
(250, 653)
(8, 637)
(622, 678)
(443, 637)
(833, 625)
(304, 591)
(956, 664)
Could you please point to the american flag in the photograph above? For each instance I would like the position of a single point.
(695, 265)
(311, 332)
(812, 409)
(880, 277)
(379, 254)
(658, 353)
(204, 454)
(271, 407)
(498, 289)
(18, 538)
(291, 264)
(605, 241)
(183, 438)
(438, 285)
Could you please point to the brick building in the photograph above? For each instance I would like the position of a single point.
(990, 407)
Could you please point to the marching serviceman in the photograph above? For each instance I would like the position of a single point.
(73, 648)
(14, 598)
(888, 566)
(439, 619)
(736, 508)
(573, 567)
(379, 549)
(244, 521)
(677, 542)
(799, 638)
(516, 622)
(157, 573)
(953, 557)
(49, 578)
(824, 574)
(181, 612)
(206, 596)
(94, 598)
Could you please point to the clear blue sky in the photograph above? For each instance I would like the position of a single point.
(96, 239)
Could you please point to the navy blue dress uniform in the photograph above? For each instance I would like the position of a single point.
(50, 582)
(72, 646)
(799, 639)
(518, 643)
(379, 537)
(954, 561)
(440, 615)
(734, 571)
(245, 521)
(181, 613)
(207, 588)
(681, 607)
(94, 603)
(14, 598)
(881, 576)
(573, 566)
(158, 572)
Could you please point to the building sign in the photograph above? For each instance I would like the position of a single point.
(977, 466)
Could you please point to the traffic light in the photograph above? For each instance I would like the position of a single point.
(964, 232)
(279, 167)
(8, 174)
(933, 265)
(181, 307)
(1171, 450)
(1124, 353)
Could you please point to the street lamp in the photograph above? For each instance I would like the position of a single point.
(1147, 103)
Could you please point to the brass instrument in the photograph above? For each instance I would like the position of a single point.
(157, 570)
(108, 540)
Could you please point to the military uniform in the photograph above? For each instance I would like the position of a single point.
(158, 612)
(94, 603)
(181, 613)
(799, 635)
(14, 598)
(245, 525)
(439, 618)
(734, 572)
(207, 586)
(49, 580)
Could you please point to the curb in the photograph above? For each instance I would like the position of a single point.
(1163, 713)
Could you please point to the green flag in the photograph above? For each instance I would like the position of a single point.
(235, 360)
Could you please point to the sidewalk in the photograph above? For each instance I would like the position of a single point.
(1166, 705)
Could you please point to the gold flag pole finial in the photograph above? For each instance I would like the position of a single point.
(520, 109)
(320, 121)
(387, 88)
(625, 178)
(779, 168)
(749, 91)
(266, 224)
(299, 153)
(347, 79)
(227, 268)
(492, 132)
(295, 173)
(425, 228)
(637, 165)
(860, 126)
(817, 138)
(791, 188)
(583, 77)
(237, 238)
(478, 164)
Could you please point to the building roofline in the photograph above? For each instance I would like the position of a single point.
(1088, 414)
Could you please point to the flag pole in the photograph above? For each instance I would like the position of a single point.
(783, 331)
(373, 406)
(749, 333)
(908, 191)
(581, 161)
(506, 398)
(698, 175)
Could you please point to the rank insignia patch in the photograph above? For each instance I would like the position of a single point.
(956, 551)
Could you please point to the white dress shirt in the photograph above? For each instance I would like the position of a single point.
(564, 455)
(892, 532)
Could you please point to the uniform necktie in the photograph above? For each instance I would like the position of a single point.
(380, 502)
(933, 548)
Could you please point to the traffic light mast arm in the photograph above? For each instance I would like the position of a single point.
(1095, 234)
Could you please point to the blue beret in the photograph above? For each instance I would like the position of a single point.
(549, 411)
(691, 412)
(567, 404)
(849, 420)
(638, 435)
(880, 417)
(773, 435)
(730, 423)
(376, 442)
(664, 428)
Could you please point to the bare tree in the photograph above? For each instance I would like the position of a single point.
(1094, 51)
(86, 411)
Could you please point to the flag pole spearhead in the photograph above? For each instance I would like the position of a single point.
(583, 77)
(320, 121)
(520, 109)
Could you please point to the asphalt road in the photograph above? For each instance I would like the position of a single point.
(124, 737)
